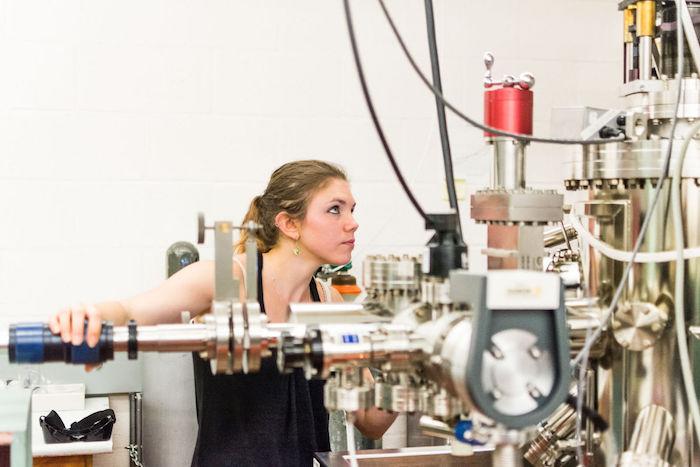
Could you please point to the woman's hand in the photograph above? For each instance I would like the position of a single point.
(70, 324)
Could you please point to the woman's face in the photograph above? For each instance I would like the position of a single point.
(328, 230)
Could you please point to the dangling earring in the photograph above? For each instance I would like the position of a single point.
(296, 250)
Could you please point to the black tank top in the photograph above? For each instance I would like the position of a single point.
(259, 419)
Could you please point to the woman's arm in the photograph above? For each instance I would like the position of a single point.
(190, 289)
(372, 422)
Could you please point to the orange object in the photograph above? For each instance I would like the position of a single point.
(347, 289)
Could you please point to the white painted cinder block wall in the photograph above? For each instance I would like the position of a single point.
(119, 120)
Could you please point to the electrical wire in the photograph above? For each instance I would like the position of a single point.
(657, 194)
(679, 298)
(442, 122)
(626, 256)
(375, 119)
(438, 95)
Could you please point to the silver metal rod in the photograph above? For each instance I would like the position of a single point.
(165, 338)
(508, 170)
(432, 427)
(629, 60)
(555, 237)
(136, 428)
(645, 55)
(691, 36)
(328, 313)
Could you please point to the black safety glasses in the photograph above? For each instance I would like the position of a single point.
(94, 427)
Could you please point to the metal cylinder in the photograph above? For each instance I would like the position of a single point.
(645, 54)
(432, 427)
(544, 449)
(508, 109)
(646, 18)
(557, 236)
(165, 338)
(630, 72)
(652, 440)
(315, 313)
(508, 170)
(135, 429)
(653, 432)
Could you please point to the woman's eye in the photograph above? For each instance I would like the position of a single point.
(334, 210)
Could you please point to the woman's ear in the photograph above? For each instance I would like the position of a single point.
(289, 226)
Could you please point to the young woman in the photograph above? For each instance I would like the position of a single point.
(266, 418)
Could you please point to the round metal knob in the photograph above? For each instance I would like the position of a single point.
(509, 81)
(526, 81)
(488, 60)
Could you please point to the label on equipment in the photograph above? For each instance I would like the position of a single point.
(522, 290)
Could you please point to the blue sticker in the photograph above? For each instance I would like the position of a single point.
(350, 339)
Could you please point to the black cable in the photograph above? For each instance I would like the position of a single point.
(442, 123)
(598, 421)
(375, 120)
(471, 121)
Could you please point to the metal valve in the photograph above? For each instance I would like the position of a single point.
(525, 81)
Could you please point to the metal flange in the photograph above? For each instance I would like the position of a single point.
(517, 206)
(637, 326)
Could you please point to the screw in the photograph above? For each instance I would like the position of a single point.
(496, 352)
(535, 352)
(533, 391)
(496, 394)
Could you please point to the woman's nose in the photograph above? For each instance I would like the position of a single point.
(352, 225)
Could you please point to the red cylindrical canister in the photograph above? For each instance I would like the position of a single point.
(508, 109)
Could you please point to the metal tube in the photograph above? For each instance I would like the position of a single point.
(653, 432)
(652, 439)
(136, 429)
(555, 237)
(508, 170)
(328, 313)
(629, 61)
(628, 22)
(432, 427)
(645, 54)
(165, 338)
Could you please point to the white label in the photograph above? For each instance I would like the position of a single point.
(522, 290)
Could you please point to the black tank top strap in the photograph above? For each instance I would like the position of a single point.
(260, 289)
